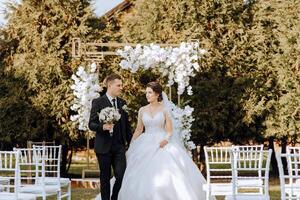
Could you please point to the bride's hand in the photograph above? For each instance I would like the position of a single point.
(163, 143)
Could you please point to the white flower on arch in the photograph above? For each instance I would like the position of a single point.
(85, 88)
(179, 64)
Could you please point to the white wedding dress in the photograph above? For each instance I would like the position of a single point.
(155, 173)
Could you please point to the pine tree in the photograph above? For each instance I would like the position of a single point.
(43, 31)
(276, 46)
(19, 120)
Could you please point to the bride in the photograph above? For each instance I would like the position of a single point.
(158, 167)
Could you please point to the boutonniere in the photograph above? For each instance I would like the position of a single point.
(125, 108)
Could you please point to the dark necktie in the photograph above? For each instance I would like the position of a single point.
(114, 103)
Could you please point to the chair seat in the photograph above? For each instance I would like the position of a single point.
(226, 188)
(4, 179)
(217, 189)
(54, 181)
(293, 190)
(247, 197)
(38, 189)
(21, 196)
(3, 182)
(250, 183)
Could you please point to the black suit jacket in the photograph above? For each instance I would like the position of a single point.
(103, 140)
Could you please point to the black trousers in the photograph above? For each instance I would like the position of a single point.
(116, 159)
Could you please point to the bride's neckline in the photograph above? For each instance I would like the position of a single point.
(154, 115)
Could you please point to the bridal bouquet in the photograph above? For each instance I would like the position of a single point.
(109, 115)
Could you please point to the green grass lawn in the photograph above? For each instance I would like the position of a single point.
(80, 194)
(274, 192)
(76, 171)
(86, 194)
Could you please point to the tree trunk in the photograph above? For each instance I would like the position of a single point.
(283, 150)
(202, 159)
(273, 157)
(64, 160)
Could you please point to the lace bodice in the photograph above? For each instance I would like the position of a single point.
(155, 123)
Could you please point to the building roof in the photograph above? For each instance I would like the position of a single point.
(119, 8)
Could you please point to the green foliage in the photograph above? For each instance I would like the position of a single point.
(41, 59)
(218, 89)
(248, 87)
(276, 46)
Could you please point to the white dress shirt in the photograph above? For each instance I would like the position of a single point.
(110, 98)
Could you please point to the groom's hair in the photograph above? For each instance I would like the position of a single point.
(111, 78)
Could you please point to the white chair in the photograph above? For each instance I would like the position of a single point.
(219, 171)
(290, 180)
(10, 176)
(52, 161)
(32, 169)
(255, 154)
(249, 165)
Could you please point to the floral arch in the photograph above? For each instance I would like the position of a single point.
(178, 64)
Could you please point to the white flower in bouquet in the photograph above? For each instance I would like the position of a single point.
(109, 115)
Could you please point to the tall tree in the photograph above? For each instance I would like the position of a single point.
(19, 120)
(275, 95)
(43, 32)
(276, 92)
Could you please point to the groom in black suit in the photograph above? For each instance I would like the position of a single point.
(110, 150)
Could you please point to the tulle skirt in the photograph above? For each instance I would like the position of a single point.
(155, 173)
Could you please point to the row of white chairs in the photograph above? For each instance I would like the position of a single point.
(30, 173)
(237, 172)
(242, 172)
(290, 177)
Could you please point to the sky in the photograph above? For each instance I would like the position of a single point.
(100, 6)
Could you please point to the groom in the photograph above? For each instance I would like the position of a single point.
(110, 150)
